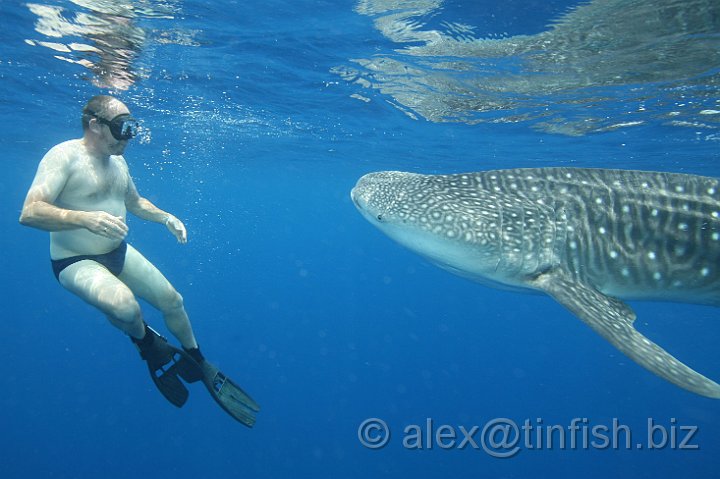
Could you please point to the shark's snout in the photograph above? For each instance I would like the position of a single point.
(378, 195)
(366, 191)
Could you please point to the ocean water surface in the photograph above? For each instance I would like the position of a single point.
(257, 120)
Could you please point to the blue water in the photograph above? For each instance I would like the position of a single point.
(258, 118)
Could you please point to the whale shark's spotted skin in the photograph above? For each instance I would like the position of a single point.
(586, 237)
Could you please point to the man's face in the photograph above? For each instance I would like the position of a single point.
(113, 145)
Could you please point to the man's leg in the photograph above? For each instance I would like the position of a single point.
(147, 282)
(99, 287)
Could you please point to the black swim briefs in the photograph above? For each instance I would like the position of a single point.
(114, 261)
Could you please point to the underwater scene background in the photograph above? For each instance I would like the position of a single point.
(257, 120)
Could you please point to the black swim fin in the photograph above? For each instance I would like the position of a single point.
(165, 362)
(229, 395)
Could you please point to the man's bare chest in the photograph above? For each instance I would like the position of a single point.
(89, 183)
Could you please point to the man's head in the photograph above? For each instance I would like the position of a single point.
(107, 124)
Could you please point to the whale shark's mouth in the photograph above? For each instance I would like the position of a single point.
(360, 198)
(357, 198)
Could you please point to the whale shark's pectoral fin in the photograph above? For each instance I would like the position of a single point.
(613, 320)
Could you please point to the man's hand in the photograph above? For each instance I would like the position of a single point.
(104, 224)
(177, 228)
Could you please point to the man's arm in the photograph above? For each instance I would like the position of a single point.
(143, 208)
(38, 210)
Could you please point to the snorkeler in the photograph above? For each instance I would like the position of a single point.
(81, 194)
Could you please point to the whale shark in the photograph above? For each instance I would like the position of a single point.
(589, 238)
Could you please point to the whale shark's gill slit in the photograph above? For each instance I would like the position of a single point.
(521, 225)
(554, 237)
(500, 236)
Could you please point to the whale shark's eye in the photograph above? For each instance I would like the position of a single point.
(379, 217)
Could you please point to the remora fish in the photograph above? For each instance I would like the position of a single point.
(586, 237)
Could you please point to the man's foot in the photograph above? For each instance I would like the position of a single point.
(158, 354)
(189, 365)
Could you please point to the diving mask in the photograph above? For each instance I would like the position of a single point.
(122, 127)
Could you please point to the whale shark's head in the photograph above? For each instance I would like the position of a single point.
(382, 198)
(447, 218)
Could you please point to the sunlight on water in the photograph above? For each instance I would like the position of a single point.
(103, 36)
(606, 65)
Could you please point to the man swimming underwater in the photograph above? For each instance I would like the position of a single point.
(81, 194)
